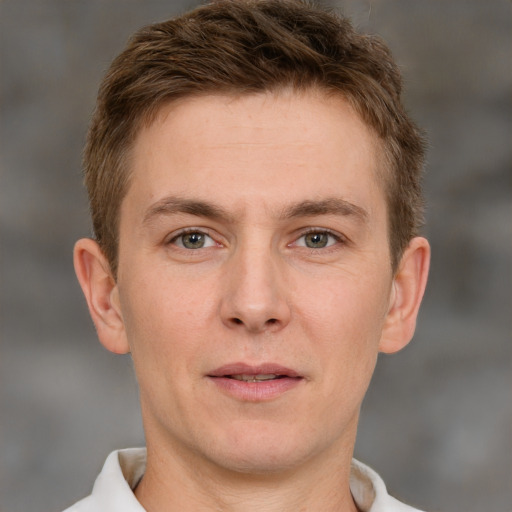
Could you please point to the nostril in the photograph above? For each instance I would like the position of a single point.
(270, 321)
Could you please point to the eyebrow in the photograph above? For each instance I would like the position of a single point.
(174, 205)
(329, 206)
(308, 208)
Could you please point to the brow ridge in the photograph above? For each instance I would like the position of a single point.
(308, 208)
(329, 206)
(175, 205)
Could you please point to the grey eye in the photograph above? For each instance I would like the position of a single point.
(194, 240)
(316, 240)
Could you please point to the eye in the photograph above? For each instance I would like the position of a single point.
(317, 240)
(193, 240)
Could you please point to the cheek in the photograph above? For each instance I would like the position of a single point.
(156, 317)
(346, 304)
(346, 322)
(169, 320)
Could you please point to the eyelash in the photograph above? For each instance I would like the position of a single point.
(339, 239)
(312, 231)
(188, 231)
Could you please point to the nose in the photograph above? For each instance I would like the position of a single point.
(255, 293)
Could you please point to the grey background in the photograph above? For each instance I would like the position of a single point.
(437, 421)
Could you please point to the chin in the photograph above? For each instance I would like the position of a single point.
(275, 452)
(261, 462)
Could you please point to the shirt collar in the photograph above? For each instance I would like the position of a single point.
(123, 469)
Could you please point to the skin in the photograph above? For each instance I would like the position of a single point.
(250, 178)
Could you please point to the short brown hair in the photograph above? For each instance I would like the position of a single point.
(242, 47)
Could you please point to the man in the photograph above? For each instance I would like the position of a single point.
(255, 193)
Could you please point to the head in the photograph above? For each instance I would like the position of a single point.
(238, 48)
(254, 185)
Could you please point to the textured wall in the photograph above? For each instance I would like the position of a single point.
(437, 421)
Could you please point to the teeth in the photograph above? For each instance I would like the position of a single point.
(255, 378)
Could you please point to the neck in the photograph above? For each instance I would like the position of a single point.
(173, 483)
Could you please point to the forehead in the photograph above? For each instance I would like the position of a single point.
(292, 145)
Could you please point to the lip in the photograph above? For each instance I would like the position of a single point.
(255, 391)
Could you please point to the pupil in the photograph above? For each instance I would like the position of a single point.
(316, 240)
(193, 240)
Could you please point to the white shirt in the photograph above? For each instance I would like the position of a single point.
(123, 469)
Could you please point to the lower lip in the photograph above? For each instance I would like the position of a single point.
(256, 391)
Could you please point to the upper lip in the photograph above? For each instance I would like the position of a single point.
(247, 369)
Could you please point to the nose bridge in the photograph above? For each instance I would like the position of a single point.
(255, 295)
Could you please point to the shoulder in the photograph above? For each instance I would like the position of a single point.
(397, 506)
(85, 505)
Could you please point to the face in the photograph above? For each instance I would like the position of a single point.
(254, 277)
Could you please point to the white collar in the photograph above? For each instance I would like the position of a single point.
(123, 470)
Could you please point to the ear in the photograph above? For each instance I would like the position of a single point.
(102, 295)
(406, 294)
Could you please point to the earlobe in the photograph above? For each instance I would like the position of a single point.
(102, 295)
(406, 294)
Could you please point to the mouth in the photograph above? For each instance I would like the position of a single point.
(255, 383)
(262, 377)
(260, 373)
